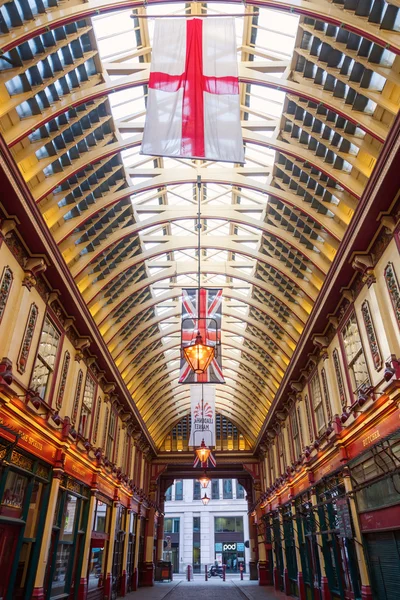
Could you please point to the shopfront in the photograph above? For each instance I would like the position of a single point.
(99, 545)
(117, 571)
(24, 494)
(130, 561)
(229, 543)
(68, 538)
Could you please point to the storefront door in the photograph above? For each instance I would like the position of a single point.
(8, 542)
(229, 559)
(384, 564)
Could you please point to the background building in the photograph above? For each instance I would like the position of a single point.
(199, 535)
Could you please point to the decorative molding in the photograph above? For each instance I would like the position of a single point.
(103, 445)
(97, 421)
(309, 422)
(326, 395)
(339, 378)
(77, 396)
(27, 339)
(393, 289)
(372, 340)
(63, 380)
(5, 288)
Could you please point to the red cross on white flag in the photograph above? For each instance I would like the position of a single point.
(193, 106)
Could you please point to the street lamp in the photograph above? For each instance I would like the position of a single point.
(204, 480)
(205, 500)
(203, 452)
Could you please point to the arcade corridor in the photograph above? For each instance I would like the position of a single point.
(114, 263)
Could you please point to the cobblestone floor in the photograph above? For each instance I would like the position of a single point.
(212, 590)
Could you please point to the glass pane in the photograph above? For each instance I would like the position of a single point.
(196, 524)
(96, 565)
(168, 525)
(14, 494)
(351, 339)
(178, 490)
(61, 569)
(215, 489)
(360, 371)
(239, 491)
(34, 510)
(196, 490)
(100, 518)
(228, 494)
(69, 518)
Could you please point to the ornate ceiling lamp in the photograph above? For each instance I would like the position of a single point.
(204, 481)
(205, 499)
(203, 452)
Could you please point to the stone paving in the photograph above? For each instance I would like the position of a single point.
(231, 589)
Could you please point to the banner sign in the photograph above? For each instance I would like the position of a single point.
(210, 309)
(203, 422)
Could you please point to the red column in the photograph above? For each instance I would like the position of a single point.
(262, 572)
(325, 591)
(301, 586)
(366, 593)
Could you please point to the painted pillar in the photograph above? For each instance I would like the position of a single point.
(135, 576)
(110, 553)
(86, 550)
(366, 591)
(286, 582)
(300, 580)
(148, 565)
(160, 538)
(253, 549)
(38, 590)
(262, 565)
(125, 554)
(325, 591)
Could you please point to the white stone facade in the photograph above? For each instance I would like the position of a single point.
(187, 508)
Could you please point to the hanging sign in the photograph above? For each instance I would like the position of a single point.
(209, 327)
(343, 518)
(202, 400)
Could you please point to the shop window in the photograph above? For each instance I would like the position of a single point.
(100, 517)
(171, 525)
(227, 489)
(196, 524)
(239, 491)
(111, 435)
(87, 406)
(355, 355)
(317, 403)
(168, 494)
(179, 490)
(14, 495)
(196, 490)
(295, 434)
(228, 524)
(215, 489)
(45, 360)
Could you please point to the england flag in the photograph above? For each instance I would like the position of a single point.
(193, 106)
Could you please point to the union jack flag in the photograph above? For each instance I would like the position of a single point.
(204, 465)
(210, 313)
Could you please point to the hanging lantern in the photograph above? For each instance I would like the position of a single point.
(205, 499)
(199, 355)
(204, 480)
(203, 452)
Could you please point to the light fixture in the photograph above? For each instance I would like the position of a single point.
(203, 452)
(199, 355)
(204, 480)
(205, 499)
(197, 352)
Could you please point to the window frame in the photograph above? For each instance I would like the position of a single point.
(88, 425)
(314, 377)
(350, 377)
(52, 371)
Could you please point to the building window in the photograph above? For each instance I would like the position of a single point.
(239, 491)
(228, 524)
(171, 525)
(168, 493)
(45, 360)
(215, 489)
(355, 354)
(196, 524)
(196, 490)
(281, 446)
(87, 406)
(295, 434)
(316, 398)
(179, 490)
(227, 489)
(111, 435)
